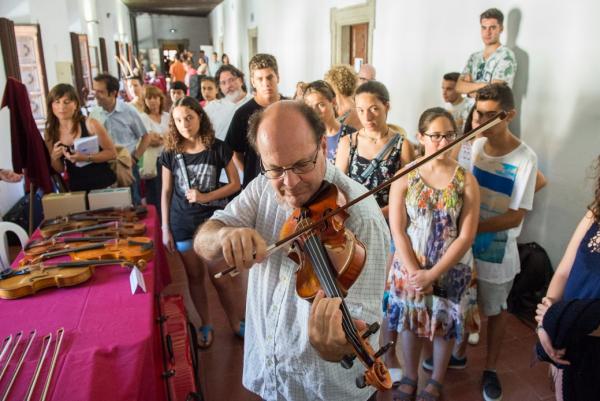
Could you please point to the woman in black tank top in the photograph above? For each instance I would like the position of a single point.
(64, 125)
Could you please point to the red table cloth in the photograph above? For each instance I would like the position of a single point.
(111, 348)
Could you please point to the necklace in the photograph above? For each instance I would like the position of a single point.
(374, 140)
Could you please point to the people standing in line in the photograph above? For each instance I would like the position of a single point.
(176, 69)
(186, 205)
(209, 90)
(291, 345)
(264, 77)
(135, 91)
(123, 124)
(156, 121)
(224, 60)
(64, 125)
(374, 153)
(190, 71)
(496, 63)
(505, 168)
(366, 73)
(233, 95)
(433, 216)
(177, 91)
(214, 64)
(343, 80)
(319, 95)
(202, 66)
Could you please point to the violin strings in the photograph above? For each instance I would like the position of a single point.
(327, 279)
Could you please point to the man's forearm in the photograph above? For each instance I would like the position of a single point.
(206, 241)
(465, 87)
(502, 222)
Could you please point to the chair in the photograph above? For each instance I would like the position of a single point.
(6, 226)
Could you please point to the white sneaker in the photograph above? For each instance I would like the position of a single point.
(474, 338)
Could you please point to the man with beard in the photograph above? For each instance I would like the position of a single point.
(496, 63)
(220, 111)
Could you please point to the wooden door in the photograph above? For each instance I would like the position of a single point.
(359, 42)
(103, 56)
(81, 65)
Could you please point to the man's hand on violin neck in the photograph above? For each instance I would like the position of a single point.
(325, 331)
(242, 247)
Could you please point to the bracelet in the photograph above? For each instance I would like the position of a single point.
(538, 328)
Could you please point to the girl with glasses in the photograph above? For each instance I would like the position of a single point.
(434, 212)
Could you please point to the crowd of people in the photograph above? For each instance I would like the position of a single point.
(226, 166)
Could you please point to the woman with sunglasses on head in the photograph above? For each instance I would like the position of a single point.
(434, 212)
(373, 154)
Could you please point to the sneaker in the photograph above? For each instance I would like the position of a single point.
(492, 390)
(454, 363)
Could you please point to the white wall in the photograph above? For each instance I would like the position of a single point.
(57, 18)
(152, 27)
(416, 42)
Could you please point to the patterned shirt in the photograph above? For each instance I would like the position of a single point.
(500, 65)
(505, 182)
(279, 362)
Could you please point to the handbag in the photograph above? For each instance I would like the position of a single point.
(147, 162)
(122, 167)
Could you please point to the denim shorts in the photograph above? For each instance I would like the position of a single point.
(184, 246)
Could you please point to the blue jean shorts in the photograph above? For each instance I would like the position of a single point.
(184, 246)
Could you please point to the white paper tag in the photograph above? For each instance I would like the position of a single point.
(136, 279)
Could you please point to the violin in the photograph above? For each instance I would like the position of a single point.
(331, 258)
(132, 249)
(29, 279)
(88, 218)
(110, 228)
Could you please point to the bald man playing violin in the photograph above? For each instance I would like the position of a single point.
(292, 349)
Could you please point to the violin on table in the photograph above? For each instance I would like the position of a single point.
(29, 279)
(132, 249)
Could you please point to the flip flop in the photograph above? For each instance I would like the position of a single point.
(206, 336)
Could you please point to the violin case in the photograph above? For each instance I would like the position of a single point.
(179, 350)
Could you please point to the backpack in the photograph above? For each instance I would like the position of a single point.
(531, 284)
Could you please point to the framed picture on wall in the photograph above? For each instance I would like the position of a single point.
(81, 64)
(32, 68)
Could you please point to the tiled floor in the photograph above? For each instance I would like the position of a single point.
(221, 365)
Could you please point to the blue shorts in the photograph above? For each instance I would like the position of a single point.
(184, 246)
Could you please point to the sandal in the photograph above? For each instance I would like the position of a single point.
(240, 332)
(206, 336)
(426, 395)
(399, 395)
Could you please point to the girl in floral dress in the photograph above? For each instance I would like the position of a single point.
(433, 215)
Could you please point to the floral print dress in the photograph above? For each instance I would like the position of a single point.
(433, 226)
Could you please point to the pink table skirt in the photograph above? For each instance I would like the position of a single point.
(111, 348)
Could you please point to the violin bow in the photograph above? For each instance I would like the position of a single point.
(17, 339)
(46, 341)
(60, 333)
(32, 335)
(399, 174)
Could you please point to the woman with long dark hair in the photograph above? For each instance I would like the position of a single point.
(64, 126)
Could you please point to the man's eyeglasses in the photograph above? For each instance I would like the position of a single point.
(299, 168)
(449, 136)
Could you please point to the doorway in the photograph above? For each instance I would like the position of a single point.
(352, 34)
